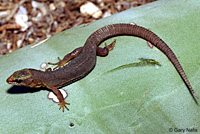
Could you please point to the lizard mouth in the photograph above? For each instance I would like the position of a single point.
(13, 81)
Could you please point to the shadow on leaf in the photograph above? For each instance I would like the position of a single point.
(23, 90)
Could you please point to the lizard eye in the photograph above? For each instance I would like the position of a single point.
(21, 75)
(24, 73)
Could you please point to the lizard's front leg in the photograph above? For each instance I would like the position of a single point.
(60, 98)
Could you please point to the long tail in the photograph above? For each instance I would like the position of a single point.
(134, 30)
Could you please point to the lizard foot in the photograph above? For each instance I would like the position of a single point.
(59, 64)
(63, 105)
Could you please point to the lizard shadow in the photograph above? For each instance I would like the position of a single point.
(23, 90)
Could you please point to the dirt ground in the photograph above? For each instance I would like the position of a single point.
(24, 22)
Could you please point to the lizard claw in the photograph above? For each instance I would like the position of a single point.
(63, 105)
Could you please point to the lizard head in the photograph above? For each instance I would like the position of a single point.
(21, 78)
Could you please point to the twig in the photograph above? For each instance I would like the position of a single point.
(12, 12)
(3, 34)
(9, 26)
(3, 8)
